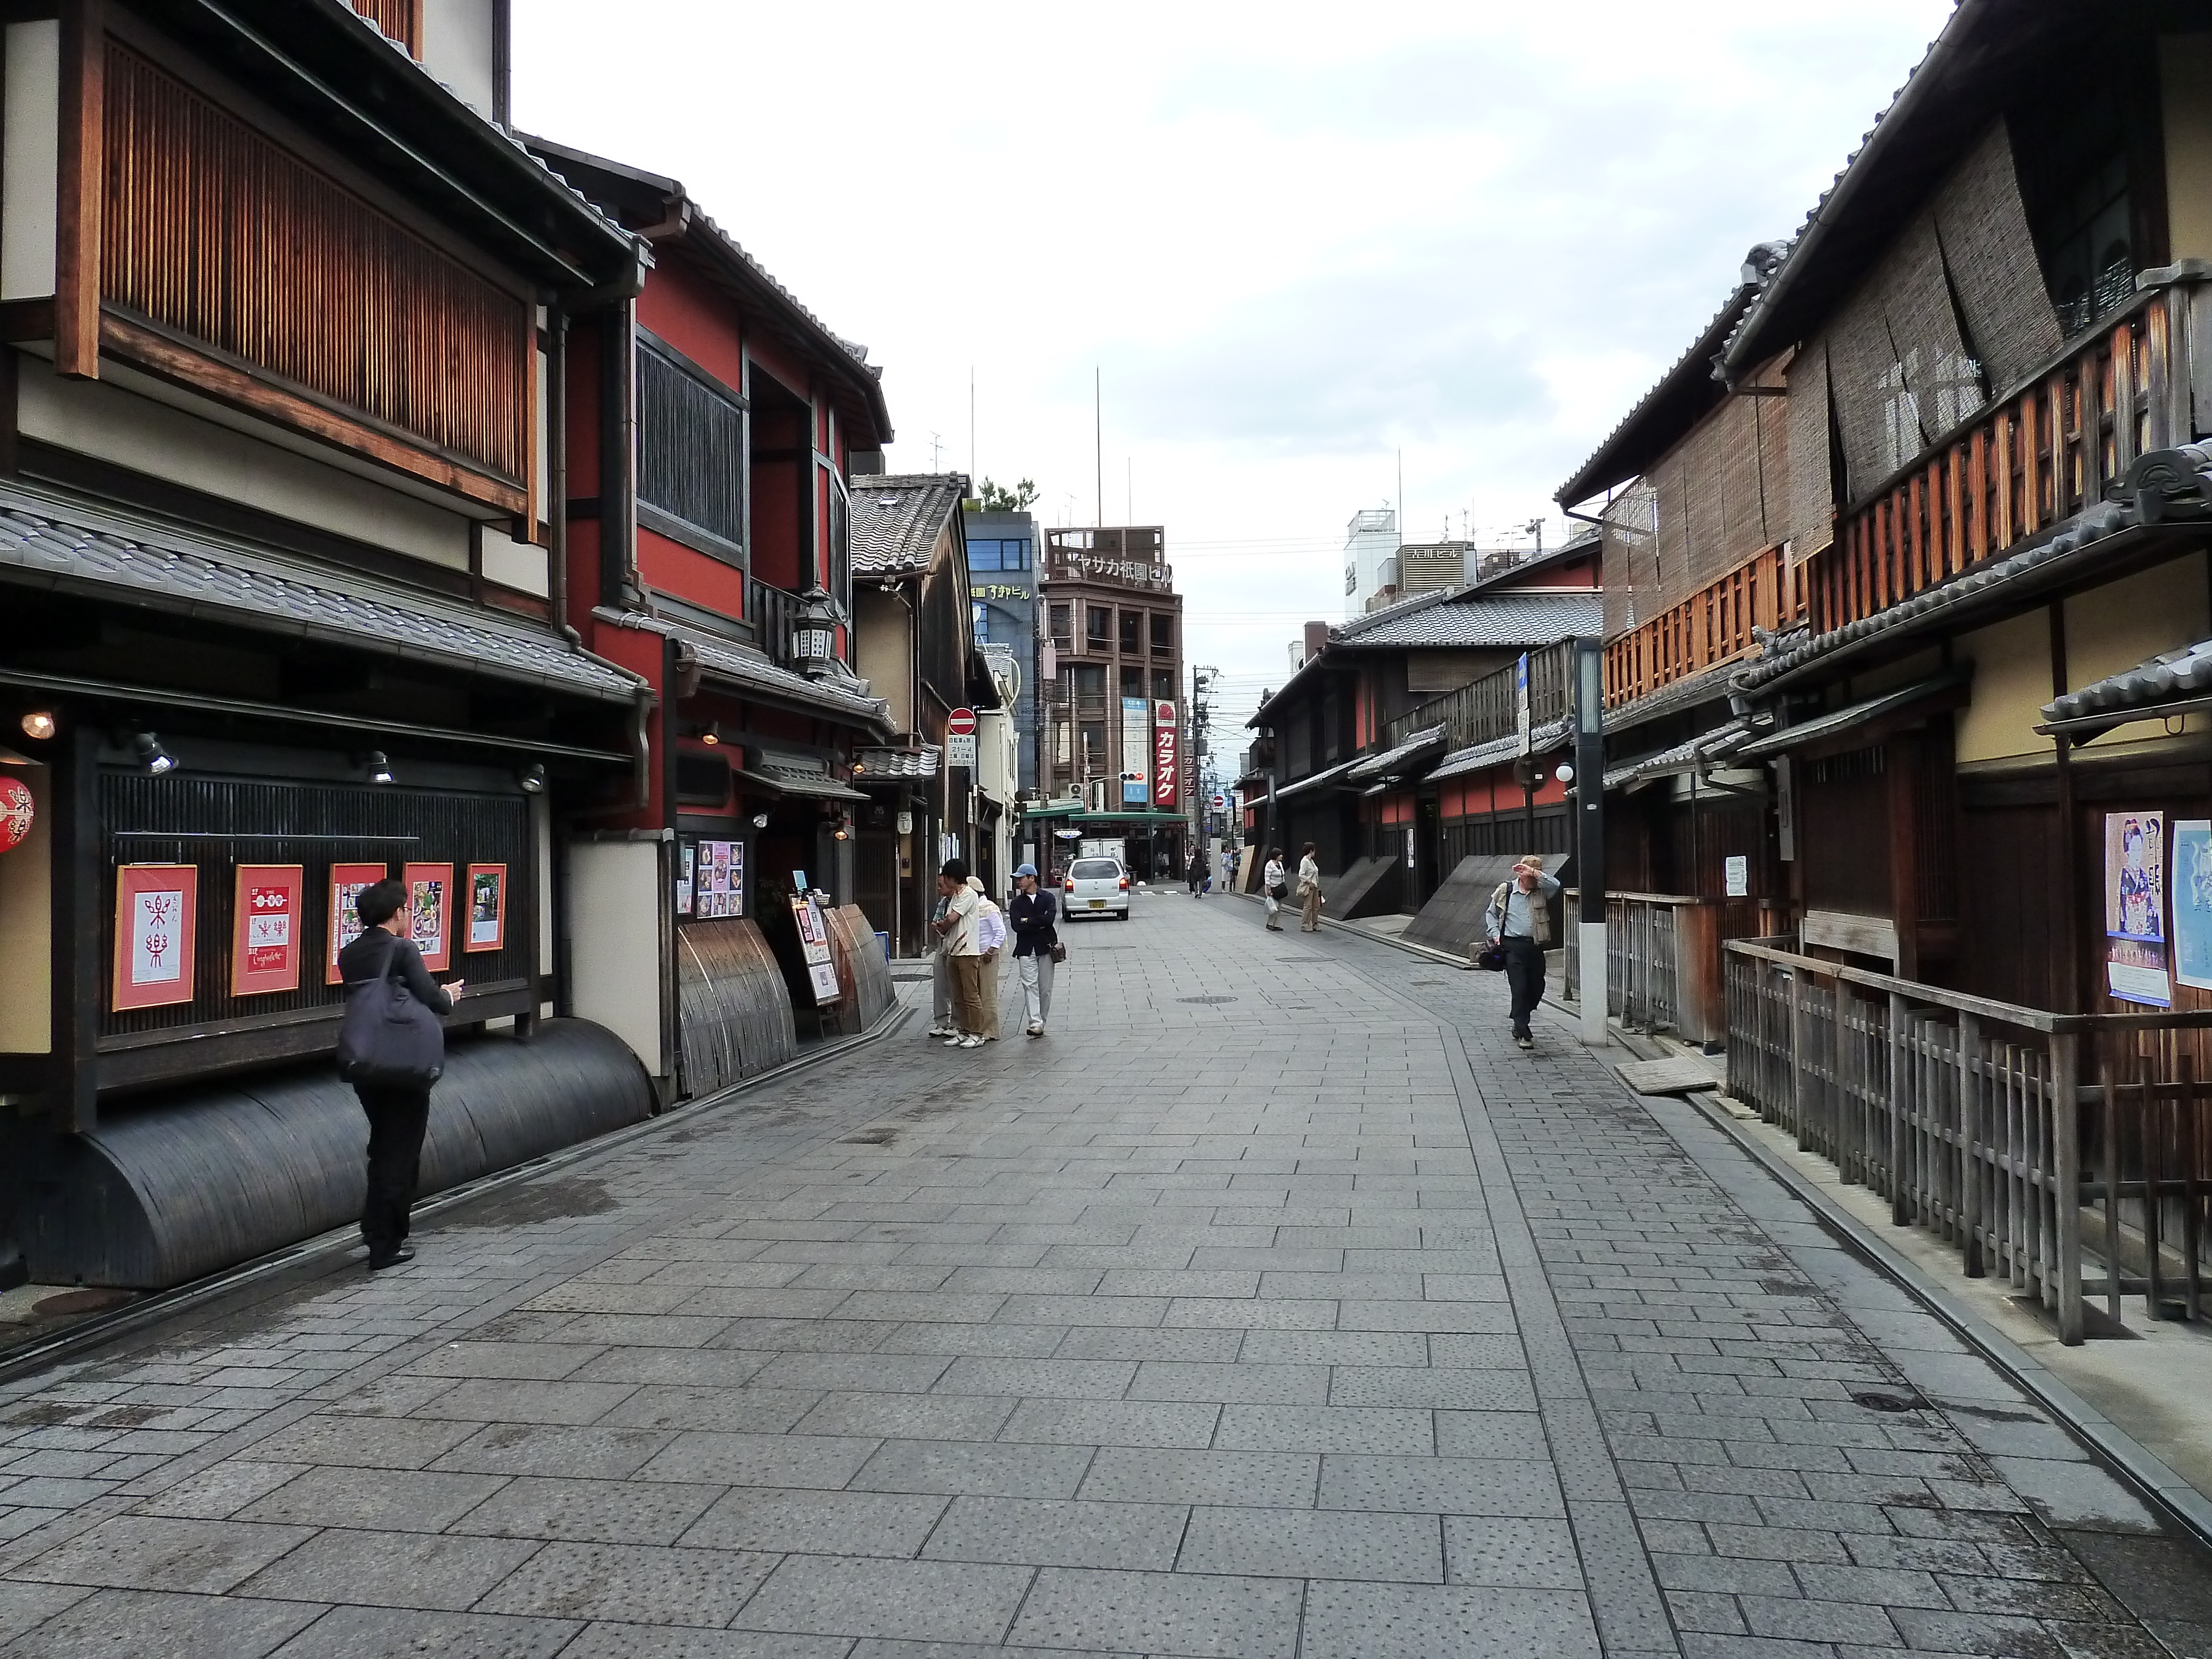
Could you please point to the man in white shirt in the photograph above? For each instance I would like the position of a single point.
(1519, 918)
(963, 952)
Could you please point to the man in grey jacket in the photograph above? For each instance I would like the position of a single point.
(1520, 920)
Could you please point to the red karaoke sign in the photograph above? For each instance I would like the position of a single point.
(1167, 771)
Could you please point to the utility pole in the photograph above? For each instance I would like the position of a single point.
(1098, 439)
(1589, 834)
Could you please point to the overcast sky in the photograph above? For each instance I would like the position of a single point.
(1293, 240)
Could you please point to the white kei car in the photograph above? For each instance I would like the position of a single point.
(1095, 887)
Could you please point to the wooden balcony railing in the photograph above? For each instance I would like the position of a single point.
(1488, 708)
(1712, 626)
(2032, 1141)
(773, 613)
(2032, 460)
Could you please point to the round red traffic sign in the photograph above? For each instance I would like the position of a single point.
(961, 722)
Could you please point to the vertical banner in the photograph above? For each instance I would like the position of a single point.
(1136, 751)
(155, 910)
(347, 881)
(2134, 908)
(1524, 724)
(487, 899)
(266, 933)
(430, 912)
(2192, 903)
(1166, 756)
(687, 864)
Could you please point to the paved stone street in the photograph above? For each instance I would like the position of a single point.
(1273, 1307)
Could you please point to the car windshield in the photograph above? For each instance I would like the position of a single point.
(1095, 870)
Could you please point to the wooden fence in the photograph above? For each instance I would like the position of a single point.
(1663, 967)
(2025, 1139)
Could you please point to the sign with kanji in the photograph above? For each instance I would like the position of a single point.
(155, 910)
(347, 882)
(430, 912)
(1167, 756)
(814, 942)
(266, 912)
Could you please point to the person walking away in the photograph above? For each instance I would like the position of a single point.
(964, 954)
(1196, 874)
(1275, 881)
(1034, 916)
(1228, 870)
(940, 980)
(398, 1115)
(1310, 900)
(1519, 918)
(991, 937)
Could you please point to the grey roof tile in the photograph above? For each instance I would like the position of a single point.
(881, 765)
(1464, 619)
(55, 543)
(1380, 765)
(742, 666)
(897, 518)
(2170, 676)
(1483, 756)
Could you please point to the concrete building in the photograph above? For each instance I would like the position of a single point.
(1370, 553)
(1002, 588)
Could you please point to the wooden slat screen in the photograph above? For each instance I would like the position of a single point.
(400, 19)
(692, 447)
(214, 232)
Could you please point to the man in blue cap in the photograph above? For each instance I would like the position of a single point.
(1035, 919)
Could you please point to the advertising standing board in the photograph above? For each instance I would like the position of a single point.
(814, 941)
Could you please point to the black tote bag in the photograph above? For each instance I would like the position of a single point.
(386, 1039)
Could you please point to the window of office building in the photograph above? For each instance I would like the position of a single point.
(1133, 631)
(1162, 635)
(1163, 684)
(1009, 553)
(1098, 626)
(1132, 681)
(1063, 626)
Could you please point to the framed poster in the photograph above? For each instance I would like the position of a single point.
(156, 906)
(347, 881)
(687, 854)
(2134, 910)
(430, 912)
(266, 933)
(814, 941)
(487, 898)
(718, 879)
(2192, 902)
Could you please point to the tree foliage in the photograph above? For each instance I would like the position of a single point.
(998, 499)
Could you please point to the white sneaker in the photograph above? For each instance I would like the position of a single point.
(1036, 1028)
(940, 1030)
(969, 1041)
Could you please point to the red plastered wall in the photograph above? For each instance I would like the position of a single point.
(681, 309)
(643, 654)
(675, 569)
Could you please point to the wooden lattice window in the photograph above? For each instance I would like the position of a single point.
(692, 448)
(400, 19)
(212, 232)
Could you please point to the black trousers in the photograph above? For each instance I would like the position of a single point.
(397, 1119)
(1524, 977)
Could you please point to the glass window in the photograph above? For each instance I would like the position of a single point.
(980, 615)
(1163, 686)
(1020, 554)
(1132, 681)
(1098, 625)
(1063, 625)
(1162, 635)
(983, 556)
(1096, 870)
(1133, 630)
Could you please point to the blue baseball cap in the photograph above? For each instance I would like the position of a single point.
(1024, 870)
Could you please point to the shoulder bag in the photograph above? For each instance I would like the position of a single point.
(386, 1039)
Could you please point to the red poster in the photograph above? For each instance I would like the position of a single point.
(430, 912)
(264, 932)
(155, 911)
(1167, 770)
(487, 899)
(346, 881)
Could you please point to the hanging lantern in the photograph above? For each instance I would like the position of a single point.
(16, 811)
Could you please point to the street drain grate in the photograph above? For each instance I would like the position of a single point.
(1209, 1001)
(1889, 1402)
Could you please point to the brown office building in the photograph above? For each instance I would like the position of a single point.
(1115, 748)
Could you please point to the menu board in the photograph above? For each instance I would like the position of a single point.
(814, 940)
(347, 881)
(266, 917)
(718, 880)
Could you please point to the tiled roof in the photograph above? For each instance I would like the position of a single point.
(897, 519)
(54, 543)
(1542, 739)
(1687, 756)
(1311, 780)
(1376, 766)
(1701, 687)
(2169, 677)
(748, 670)
(1468, 620)
(880, 765)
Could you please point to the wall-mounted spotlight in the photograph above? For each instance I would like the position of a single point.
(760, 820)
(378, 767)
(1566, 774)
(155, 759)
(39, 724)
(532, 778)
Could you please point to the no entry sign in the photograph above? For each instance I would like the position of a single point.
(961, 723)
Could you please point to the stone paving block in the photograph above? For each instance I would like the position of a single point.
(1406, 1621)
(1060, 1533)
(1008, 1340)
(1246, 1381)
(884, 1372)
(970, 1469)
(24, 1606)
(609, 1511)
(1513, 1552)
(1150, 1344)
(1441, 1486)
(371, 1443)
(1325, 1429)
(1112, 1423)
(392, 1569)
(1276, 1479)
(1806, 1621)
(1449, 1388)
(1161, 1612)
(537, 1361)
(1245, 1313)
(1722, 1575)
(403, 1500)
(615, 1641)
(606, 1454)
(759, 1460)
(1325, 1543)
(160, 1553)
(643, 1584)
(763, 1339)
(360, 1633)
(920, 1600)
(816, 1522)
(746, 1410)
(909, 1416)
(142, 1622)
(1066, 1379)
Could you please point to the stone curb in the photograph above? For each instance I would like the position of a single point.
(2188, 1509)
(165, 1304)
(1407, 946)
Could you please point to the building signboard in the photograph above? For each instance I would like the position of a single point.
(1136, 751)
(1166, 756)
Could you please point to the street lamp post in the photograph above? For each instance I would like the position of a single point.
(1589, 833)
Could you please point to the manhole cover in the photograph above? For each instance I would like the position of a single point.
(1209, 1001)
(1889, 1402)
(78, 1301)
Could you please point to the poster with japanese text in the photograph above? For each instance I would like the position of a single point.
(814, 943)
(720, 876)
(347, 881)
(487, 899)
(2192, 902)
(430, 912)
(266, 912)
(155, 909)
(2134, 908)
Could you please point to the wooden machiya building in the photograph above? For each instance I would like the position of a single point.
(1418, 745)
(710, 424)
(277, 615)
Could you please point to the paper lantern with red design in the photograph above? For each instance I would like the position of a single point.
(16, 811)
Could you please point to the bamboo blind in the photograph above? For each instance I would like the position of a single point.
(214, 231)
